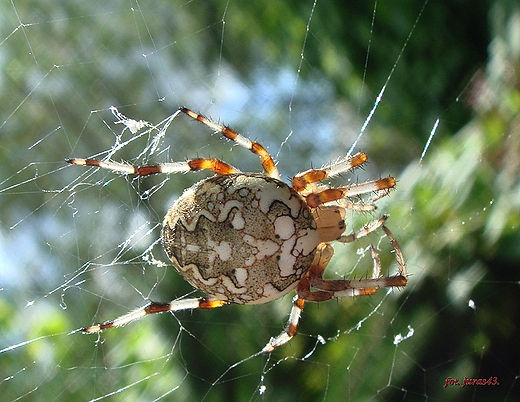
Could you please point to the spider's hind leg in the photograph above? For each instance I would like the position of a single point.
(154, 308)
(215, 165)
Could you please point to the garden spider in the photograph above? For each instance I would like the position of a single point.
(249, 238)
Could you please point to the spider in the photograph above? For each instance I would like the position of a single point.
(250, 238)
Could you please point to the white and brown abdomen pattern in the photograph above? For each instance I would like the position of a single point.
(245, 239)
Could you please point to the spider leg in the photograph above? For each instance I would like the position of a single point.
(215, 165)
(333, 194)
(154, 308)
(338, 288)
(370, 227)
(266, 159)
(323, 255)
(290, 329)
(330, 288)
(399, 256)
(365, 230)
(331, 224)
(357, 206)
(302, 181)
(327, 289)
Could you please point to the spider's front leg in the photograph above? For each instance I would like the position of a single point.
(326, 289)
(330, 288)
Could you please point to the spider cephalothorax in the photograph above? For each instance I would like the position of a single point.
(250, 238)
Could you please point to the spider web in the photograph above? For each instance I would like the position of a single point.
(311, 81)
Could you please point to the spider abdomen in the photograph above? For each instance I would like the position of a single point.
(242, 238)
